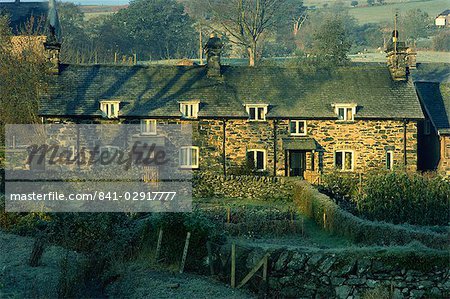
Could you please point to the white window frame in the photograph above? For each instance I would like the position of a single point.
(145, 123)
(390, 158)
(344, 151)
(255, 151)
(297, 127)
(345, 107)
(256, 107)
(189, 166)
(189, 109)
(110, 109)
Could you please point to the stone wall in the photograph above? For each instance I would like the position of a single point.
(444, 163)
(368, 139)
(248, 187)
(349, 273)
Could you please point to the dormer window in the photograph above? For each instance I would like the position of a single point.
(148, 126)
(110, 109)
(256, 112)
(345, 112)
(190, 109)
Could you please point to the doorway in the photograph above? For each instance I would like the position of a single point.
(296, 162)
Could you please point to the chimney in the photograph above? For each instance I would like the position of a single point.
(213, 50)
(400, 58)
(52, 44)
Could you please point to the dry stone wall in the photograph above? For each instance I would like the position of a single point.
(350, 273)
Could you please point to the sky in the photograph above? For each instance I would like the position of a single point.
(82, 2)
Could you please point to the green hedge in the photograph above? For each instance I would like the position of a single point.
(398, 197)
(332, 218)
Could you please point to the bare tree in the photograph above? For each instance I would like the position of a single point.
(246, 21)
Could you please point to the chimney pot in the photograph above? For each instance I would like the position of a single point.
(213, 50)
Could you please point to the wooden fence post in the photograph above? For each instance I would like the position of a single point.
(228, 215)
(186, 246)
(233, 265)
(158, 245)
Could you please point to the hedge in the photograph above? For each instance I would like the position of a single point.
(337, 221)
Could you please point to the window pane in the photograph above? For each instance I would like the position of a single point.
(388, 160)
(293, 127)
(183, 157)
(348, 161)
(193, 156)
(341, 113)
(260, 113)
(252, 113)
(260, 160)
(338, 160)
(349, 114)
(301, 127)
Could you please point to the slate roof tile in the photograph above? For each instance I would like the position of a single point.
(154, 91)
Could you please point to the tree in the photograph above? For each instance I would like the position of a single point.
(331, 42)
(22, 73)
(307, 38)
(370, 2)
(76, 44)
(354, 3)
(414, 24)
(441, 41)
(151, 28)
(247, 21)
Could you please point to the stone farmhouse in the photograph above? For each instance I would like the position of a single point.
(276, 120)
(21, 13)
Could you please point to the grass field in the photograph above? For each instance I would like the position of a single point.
(385, 13)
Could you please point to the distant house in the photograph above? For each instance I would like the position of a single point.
(443, 19)
(21, 13)
(434, 131)
(27, 38)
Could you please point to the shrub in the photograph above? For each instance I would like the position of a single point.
(175, 227)
(441, 41)
(411, 198)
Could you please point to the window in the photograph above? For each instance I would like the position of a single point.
(389, 160)
(110, 109)
(189, 156)
(189, 109)
(427, 127)
(148, 126)
(298, 127)
(257, 159)
(345, 112)
(256, 112)
(343, 160)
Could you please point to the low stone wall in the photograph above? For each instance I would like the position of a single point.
(350, 273)
(247, 187)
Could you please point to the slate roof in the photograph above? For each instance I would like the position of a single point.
(21, 12)
(154, 91)
(435, 98)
